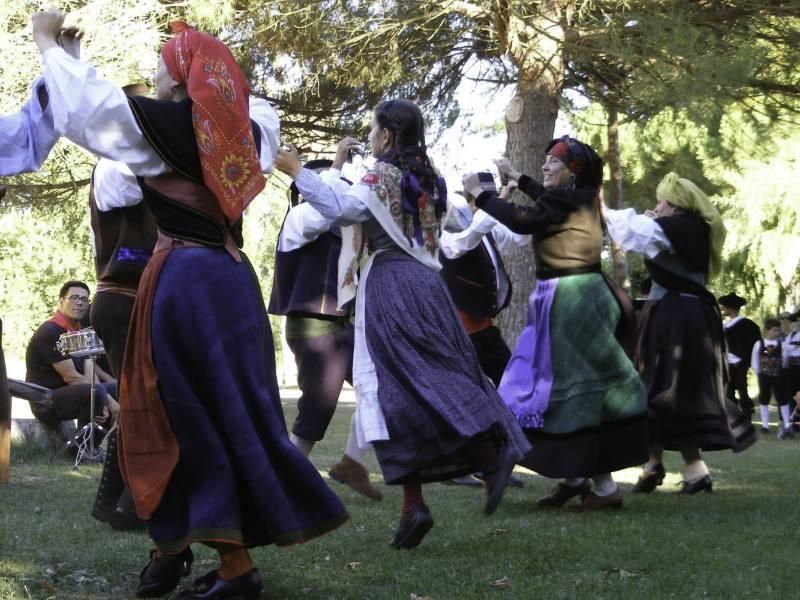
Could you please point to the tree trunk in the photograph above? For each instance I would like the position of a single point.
(530, 120)
(619, 264)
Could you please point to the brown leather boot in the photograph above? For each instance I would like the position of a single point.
(353, 474)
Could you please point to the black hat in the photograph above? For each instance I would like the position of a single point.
(732, 300)
(794, 317)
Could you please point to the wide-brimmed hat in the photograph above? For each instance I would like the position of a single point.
(732, 300)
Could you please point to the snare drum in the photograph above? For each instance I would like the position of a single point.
(83, 342)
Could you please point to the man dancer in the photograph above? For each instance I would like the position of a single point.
(320, 334)
(124, 235)
(26, 138)
(740, 335)
(479, 284)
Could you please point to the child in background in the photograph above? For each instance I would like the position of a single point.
(766, 362)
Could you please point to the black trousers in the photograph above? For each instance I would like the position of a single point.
(324, 363)
(493, 352)
(73, 402)
(738, 384)
(110, 316)
(769, 385)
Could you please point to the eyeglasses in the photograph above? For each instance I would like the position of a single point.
(75, 299)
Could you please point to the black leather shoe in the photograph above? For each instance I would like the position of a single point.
(161, 575)
(210, 587)
(563, 492)
(413, 527)
(649, 480)
(698, 485)
(502, 472)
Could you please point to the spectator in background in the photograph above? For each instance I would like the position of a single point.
(766, 362)
(66, 376)
(740, 335)
(791, 357)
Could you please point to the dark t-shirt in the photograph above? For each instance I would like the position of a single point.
(42, 354)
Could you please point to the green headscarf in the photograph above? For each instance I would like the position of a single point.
(685, 195)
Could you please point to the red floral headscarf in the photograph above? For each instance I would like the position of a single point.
(220, 116)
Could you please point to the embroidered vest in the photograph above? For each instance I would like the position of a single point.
(770, 358)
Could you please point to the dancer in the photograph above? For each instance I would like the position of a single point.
(203, 443)
(569, 382)
(26, 138)
(124, 234)
(319, 333)
(680, 350)
(477, 279)
(421, 399)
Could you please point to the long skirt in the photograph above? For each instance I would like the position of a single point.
(238, 478)
(435, 400)
(682, 366)
(572, 386)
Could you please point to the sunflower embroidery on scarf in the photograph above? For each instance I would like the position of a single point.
(234, 171)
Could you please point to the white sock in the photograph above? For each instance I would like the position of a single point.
(304, 446)
(604, 485)
(764, 415)
(574, 481)
(786, 416)
(694, 470)
(351, 449)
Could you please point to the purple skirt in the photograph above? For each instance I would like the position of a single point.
(436, 400)
(238, 478)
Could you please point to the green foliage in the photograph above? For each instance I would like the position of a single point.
(748, 167)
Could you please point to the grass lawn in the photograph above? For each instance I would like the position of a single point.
(739, 542)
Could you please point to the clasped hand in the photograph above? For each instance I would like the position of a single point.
(49, 31)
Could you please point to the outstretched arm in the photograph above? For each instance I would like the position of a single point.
(26, 137)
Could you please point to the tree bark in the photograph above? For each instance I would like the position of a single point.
(530, 121)
(619, 263)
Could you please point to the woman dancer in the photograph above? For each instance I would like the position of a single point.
(203, 442)
(421, 398)
(569, 382)
(679, 353)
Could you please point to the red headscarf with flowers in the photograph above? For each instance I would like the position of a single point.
(220, 116)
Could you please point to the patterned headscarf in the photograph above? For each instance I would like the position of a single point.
(581, 159)
(685, 195)
(220, 116)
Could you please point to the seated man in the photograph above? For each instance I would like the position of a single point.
(66, 376)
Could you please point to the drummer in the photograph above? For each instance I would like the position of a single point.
(66, 376)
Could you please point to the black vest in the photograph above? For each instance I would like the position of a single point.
(689, 235)
(305, 280)
(741, 337)
(180, 203)
(472, 280)
(124, 238)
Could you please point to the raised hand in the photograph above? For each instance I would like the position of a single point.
(287, 160)
(70, 40)
(47, 25)
(506, 170)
